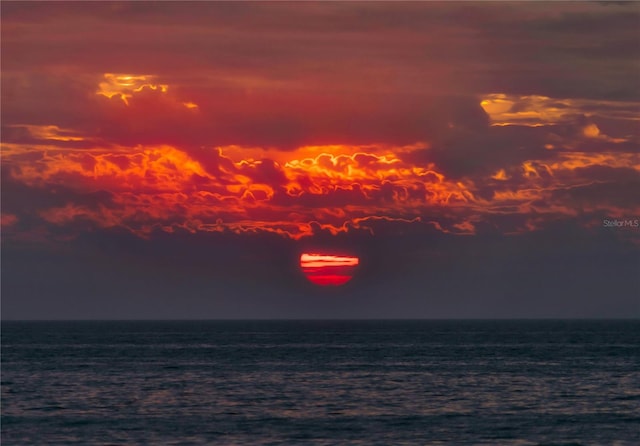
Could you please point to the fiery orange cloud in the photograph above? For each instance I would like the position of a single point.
(166, 188)
(332, 188)
(537, 110)
(124, 85)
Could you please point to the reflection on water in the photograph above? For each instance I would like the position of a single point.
(509, 382)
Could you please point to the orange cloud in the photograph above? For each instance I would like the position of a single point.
(334, 188)
(536, 110)
(165, 188)
(125, 85)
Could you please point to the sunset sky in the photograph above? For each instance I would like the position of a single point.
(175, 160)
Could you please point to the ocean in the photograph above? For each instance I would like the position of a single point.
(519, 382)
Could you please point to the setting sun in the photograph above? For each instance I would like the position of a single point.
(328, 269)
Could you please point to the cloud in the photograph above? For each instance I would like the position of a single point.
(404, 112)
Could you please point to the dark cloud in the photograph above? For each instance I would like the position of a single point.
(289, 75)
(620, 195)
(23, 200)
(464, 145)
(48, 98)
(555, 50)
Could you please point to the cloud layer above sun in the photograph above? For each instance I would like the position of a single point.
(311, 119)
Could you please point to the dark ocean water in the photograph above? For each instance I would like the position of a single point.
(321, 383)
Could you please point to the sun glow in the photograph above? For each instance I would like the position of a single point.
(124, 85)
(328, 269)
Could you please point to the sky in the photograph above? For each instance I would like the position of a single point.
(174, 160)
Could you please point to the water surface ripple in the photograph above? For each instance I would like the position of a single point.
(321, 383)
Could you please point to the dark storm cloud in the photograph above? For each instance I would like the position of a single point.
(464, 145)
(604, 174)
(621, 194)
(17, 197)
(27, 204)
